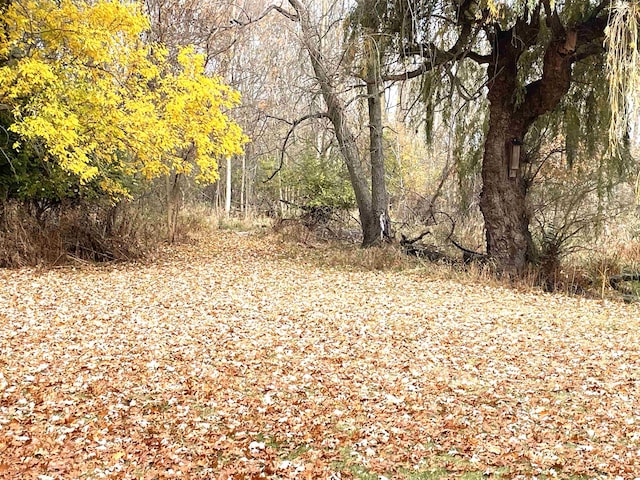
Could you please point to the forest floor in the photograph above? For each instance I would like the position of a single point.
(244, 357)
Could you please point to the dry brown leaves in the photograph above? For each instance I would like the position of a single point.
(231, 359)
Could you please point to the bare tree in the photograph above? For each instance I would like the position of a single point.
(370, 190)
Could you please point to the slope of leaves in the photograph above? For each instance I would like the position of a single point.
(231, 359)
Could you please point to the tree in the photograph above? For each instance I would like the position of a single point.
(529, 51)
(370, 190)
(87, 95)
(177, 24)
(265, 68)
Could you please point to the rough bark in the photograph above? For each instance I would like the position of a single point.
(379, 195)
(503, 199)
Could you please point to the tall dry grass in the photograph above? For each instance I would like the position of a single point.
(80, 233)
(586, 273)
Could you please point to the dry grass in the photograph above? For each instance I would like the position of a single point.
(80, 234)
(77, 233)
(243, 223)
(102, 233)
(340, 254)
(586, 274)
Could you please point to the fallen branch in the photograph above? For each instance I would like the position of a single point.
(617, 283)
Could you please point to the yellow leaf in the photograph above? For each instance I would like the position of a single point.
(84, 95)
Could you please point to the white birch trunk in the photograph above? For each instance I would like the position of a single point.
(227, 200)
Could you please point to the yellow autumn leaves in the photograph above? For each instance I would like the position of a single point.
(83, 85)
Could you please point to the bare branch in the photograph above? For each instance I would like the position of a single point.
(289, 133)
(291, 16)
(435, 57)
(422, 69)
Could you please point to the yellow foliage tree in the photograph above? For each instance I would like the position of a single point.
(83, 85)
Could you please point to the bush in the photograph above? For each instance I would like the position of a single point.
(30, 236)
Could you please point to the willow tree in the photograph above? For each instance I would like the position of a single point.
(528, 51)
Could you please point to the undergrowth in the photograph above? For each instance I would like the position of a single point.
(586, 273)
(84, 233)
(128, 231)
(33, 235)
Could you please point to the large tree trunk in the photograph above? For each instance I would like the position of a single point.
(503, 199)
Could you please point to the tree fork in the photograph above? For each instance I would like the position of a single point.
(503, 198)
(371, 199)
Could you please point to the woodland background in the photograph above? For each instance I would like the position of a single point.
(576, 196)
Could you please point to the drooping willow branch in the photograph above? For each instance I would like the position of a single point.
(623, 69)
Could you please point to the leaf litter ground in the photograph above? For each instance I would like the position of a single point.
(237, 359)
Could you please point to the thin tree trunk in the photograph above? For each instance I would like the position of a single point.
(227, 199)
(217, 197)
(251, 167)
(281, 205)
(243, 183)
(335, 112)
(173, 205)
